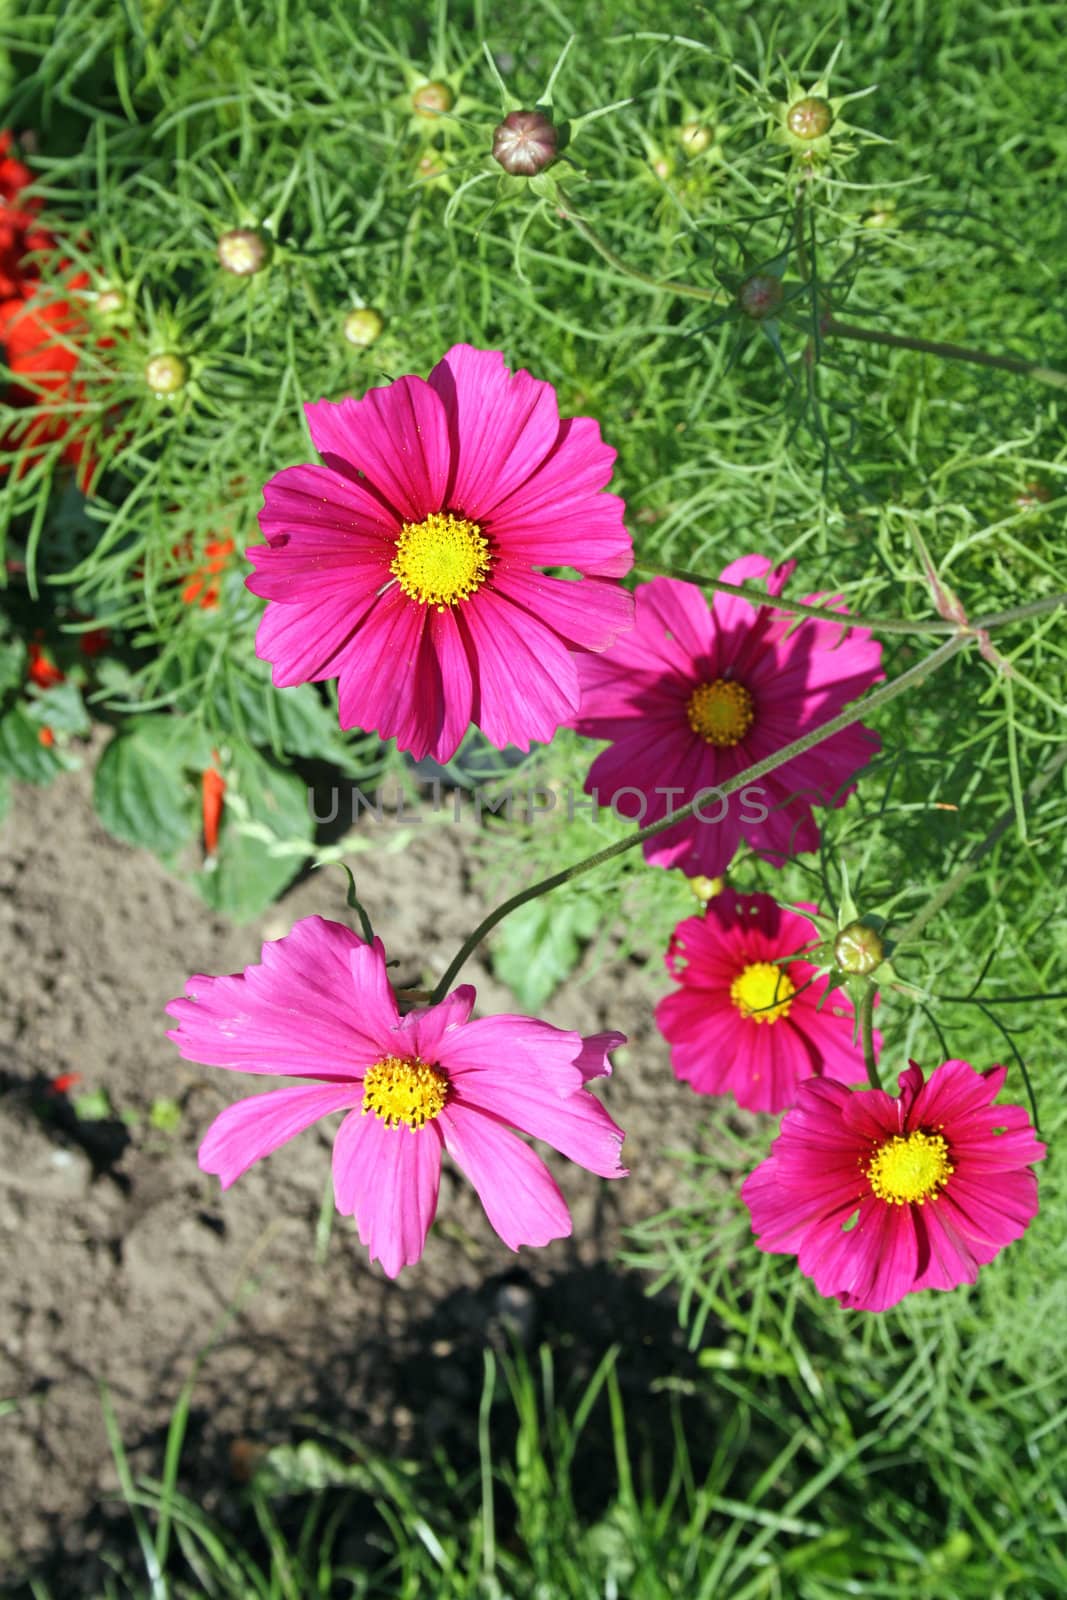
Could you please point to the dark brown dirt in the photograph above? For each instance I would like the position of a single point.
(121, 1261)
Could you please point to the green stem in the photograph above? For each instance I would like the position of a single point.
(949, 352)
(781, 602)
(759, 769)
(913, 929)
(867, 1036)
(688, 291)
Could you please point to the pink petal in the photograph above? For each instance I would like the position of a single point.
(312, 503)
(525, 681)
(591, 612)
(524, 1047)
(520, 1196)
(317, 1006)
(425, 1028)
(501, 426)
(397, 436)
(559, 516)
(253, 1128)
(388, 1178)
(307, 643)
(577, 1125)
(382, 671)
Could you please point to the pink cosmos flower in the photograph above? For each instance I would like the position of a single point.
(879, 1196)
(745, 1022)
(696, 693)
(406, 566)
(319, 1008)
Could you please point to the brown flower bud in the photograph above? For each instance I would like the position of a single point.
(525, 143)
(242, 251)
(858, 949)
(432, 100)
(809, 118)
(760, 296)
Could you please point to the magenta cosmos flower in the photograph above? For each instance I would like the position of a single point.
(747, 1020)
(319, 1008)
(697, 692)
(878, 1196)
(407, 566)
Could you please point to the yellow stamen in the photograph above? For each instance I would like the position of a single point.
(762, 992)
(721, 712)
(412, 1092)
(441, 560)
(910, 1169)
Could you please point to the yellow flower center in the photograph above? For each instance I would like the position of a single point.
(399, 1091)
(441, 560)
(762, 992)
(910, 1168)
(721, 712)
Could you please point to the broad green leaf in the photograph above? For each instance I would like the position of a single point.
(265, 831)
(540, 944)
(22, 755)
(60, 708)
(142, 790)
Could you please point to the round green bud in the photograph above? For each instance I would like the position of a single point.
(110, 301)
(525, 143)
(363, 327)
(166, 374)
(694, 138)
(760, 296)
(809, 118)
(858, 949)
(432, 100)
(242, 251)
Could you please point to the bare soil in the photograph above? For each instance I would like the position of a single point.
(121, 1262)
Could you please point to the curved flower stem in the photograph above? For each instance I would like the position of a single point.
(782, 602)
(687, 291)
(759, 769)
(950, 352)
(912, 930)
(866, 1016)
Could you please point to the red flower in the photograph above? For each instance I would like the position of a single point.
(46, 737)
(94, 642)
(42, 670)
(202, 586)
(212, 789)
(19, 234)
(42, 339)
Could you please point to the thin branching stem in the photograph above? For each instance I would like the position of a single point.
(948, 352)
(759, 769)
(938, 901)
(801, 608)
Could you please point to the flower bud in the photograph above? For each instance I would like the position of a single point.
(809, 118)
(705, 889)
(858, 949)
(363, 327)
(432, 100)
(166, 374)
(525, 143)
(694, 138)
(1033, 495)
(109, 302)
(760, 296)
(242, 251)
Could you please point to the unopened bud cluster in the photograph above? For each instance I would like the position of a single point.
(525, 143)
(858, 949)
(242, 251)
(363, 327)
(760, 296)
(166, 374)
(809, 118)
